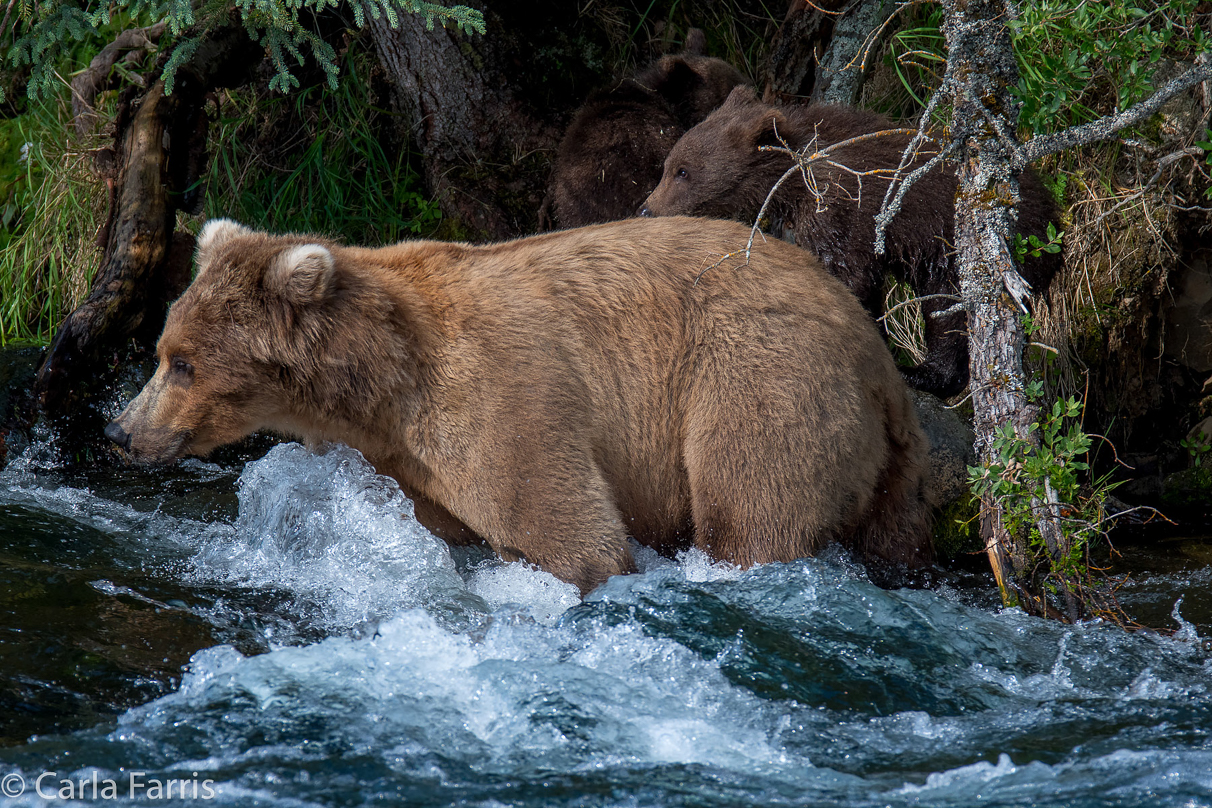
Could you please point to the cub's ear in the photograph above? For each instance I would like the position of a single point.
(696, 42)
(675, 80)
(768, 127)
(301, 274)
(742, 95)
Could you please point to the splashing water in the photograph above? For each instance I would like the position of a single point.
(342, 655)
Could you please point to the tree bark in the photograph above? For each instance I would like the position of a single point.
(791, 69)
(143, 266)
(982, 69)
(821, 51)
(487, 112)
(850, 55)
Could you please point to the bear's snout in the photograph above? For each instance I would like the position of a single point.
(118, 435)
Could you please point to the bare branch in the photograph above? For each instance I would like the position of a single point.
(95, 77)
(913, 300)
(1103, 128)
(807, 156)
(1162, 164)
(892, 204)
(890, 209)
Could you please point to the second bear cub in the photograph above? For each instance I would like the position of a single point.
(717, 169)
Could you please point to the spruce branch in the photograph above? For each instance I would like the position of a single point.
(46, 31)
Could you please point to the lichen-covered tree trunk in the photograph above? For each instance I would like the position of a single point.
(486, 112)
(852, 51)
(824, 50)
(985, 117)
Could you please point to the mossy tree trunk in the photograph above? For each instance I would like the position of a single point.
(982, 70)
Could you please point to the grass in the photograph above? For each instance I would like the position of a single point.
(316, 161)
(53, 208)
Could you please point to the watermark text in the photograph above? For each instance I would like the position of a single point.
(132, 785)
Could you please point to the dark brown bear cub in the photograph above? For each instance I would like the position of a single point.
(612, 153)
(717, 170)
(557, 394)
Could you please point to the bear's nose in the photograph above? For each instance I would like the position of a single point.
(118, 435)
(644, 211)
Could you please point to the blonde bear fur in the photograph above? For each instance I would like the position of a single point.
(556, 394)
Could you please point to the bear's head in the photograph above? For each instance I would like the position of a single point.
(229, 343)
(716, 168)
(690, 82)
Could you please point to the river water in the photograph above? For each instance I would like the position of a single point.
(285, 633)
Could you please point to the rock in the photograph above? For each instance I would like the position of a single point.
(951, 449)
(17, 369)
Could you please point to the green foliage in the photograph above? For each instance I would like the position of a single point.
(52, 211)
(1072, 52)
(918, 54)
(1033, 246)
(1047, 465)
(314, 162)
(1206, 145)
(47, 29)
(1198, 447)
(1073, 55)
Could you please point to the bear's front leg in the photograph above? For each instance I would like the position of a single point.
(558, 515)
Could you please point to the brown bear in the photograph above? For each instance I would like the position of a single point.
(556, 394)
(612, 152)
(717, 170)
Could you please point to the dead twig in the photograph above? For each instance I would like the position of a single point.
(807, 156)
(913, 300)
(1162, 164)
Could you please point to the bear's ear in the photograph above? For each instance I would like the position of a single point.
(217, 231)
(301, 274)
(742, 95)
(768, 128)
(696, 42)
(214, 234)
(677, 80)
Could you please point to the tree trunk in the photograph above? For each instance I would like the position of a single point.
(487, 112)
(983, 68)
(791, 69)
(857, 36)
(824, 50)
(144, 266)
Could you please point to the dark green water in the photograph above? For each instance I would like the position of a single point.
(286, 634)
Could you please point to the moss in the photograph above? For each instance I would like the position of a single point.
(1191, 486)
(957, 528)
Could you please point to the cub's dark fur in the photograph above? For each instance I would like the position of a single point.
(612, 153)
(717, 170)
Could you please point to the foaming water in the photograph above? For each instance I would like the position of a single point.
(352, 660)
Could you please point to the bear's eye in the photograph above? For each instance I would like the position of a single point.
(180, 366)
(681, 175)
